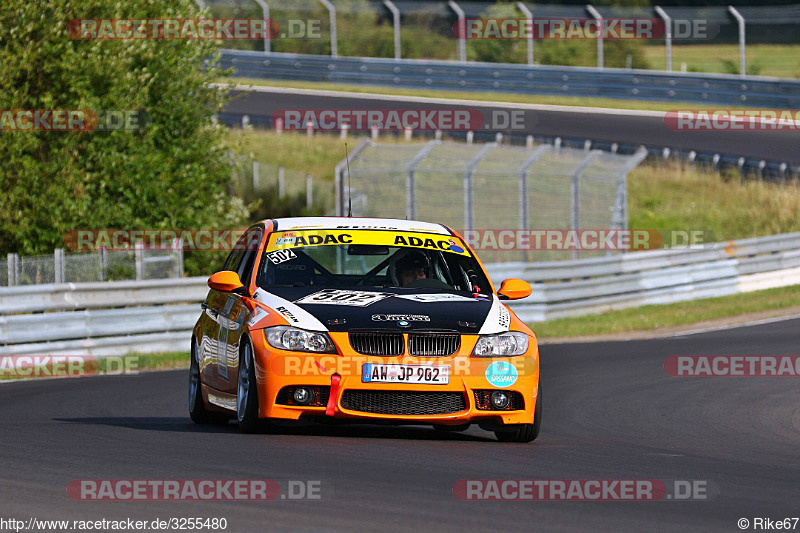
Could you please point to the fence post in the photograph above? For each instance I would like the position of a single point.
(523, 189)
(528, 15)
(469, 200)
(621, 209)
(12, 270)
(58, 265)
(309, 192)
(667, 35)
(332, 11)
(411, 179)
(138, 250)
(462, 31)
(338, 191)
(177, 257)
(103, 264)
(281, 183)
(599, 18)
(396, 23)
(575, 206)
(740, 20)
(255, 175)
(267, 34)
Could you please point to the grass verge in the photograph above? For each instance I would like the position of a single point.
(653, 317)
(14, 368)
(579, 101)
(781, 60)
(661, 196)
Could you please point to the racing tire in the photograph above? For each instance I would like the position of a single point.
(246, 391)
(525, 432)
(197, 410)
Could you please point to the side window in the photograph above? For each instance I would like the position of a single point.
(234, 258)
(250, 243)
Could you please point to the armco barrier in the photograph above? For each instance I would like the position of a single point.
(117, 317)
(718, 89)
(570, 288)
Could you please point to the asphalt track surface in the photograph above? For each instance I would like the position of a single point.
(621, 126)
(610, 412)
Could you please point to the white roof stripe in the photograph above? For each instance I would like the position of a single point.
(285, 224)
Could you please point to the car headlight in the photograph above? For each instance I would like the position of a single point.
(298, 340)
(511, 343)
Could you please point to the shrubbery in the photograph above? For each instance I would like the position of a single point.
(171, 175)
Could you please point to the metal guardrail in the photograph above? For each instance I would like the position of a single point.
(718, 89)
(66, 296)
(101, 265)
(684, 24)
(114, 318)
(570, 288)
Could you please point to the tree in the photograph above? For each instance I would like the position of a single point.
(171, 174)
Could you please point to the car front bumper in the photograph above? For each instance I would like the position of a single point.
(393, 402)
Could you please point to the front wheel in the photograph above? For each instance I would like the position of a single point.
(246, 391)
(525, 432)
(197, 410)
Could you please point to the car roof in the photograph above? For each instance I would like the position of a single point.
(283, 224)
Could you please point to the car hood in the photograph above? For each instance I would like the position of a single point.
(387, 309)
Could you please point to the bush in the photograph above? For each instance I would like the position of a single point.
(170, 175)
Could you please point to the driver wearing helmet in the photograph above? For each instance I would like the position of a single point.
(412, 267)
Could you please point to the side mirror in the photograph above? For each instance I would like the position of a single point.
(225, 281)
(514, 289)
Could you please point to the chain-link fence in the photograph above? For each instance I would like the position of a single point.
(415, 29)
(60, 267)
(492, 187)
(277, 187)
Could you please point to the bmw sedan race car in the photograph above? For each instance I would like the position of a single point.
(366, 320)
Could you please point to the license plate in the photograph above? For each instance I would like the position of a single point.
(430, 375)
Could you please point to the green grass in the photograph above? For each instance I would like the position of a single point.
(317, 156)
(781, 60)
(127, 364)
(686, 197)
(664, 197)
(160, 361)
(661, 197)
(611, 103)
(651, 317)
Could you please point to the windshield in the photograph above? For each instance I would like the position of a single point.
(369, 258)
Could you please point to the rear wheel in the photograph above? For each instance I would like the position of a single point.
(197, 411)
(525, 432)
(246, 391)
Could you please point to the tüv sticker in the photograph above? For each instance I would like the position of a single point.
(501, 374)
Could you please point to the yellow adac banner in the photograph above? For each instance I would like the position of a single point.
(299, 239)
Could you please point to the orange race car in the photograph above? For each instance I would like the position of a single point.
(371, 320)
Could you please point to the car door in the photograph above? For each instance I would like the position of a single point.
(214, 362)
(235, 312)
